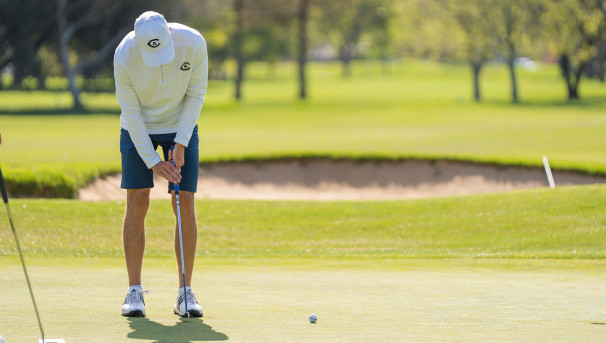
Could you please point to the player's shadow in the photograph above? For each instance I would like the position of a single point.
(185, 331)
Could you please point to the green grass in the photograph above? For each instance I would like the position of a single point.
(53, 156)
(565, 223)
(524, 266)
(415, 301)
(420, 110)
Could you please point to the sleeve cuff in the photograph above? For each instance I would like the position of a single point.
(152, 162)
(182, 140)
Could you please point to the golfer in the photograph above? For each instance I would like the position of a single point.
(161, 74)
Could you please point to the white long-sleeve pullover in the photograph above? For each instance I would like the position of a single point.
(164, 99)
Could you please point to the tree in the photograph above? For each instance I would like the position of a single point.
(6, 53)
(302, 44)
(471, 16)
(238, 42)
(426, 29)
(381, 35)
(89, 13)
(510, 16)
(244, 30)
(346, 21)
(575, 28)
(596, 67)
(515, 20)
(214, 19)
(261, 33)
(24, 27)
(91, 30)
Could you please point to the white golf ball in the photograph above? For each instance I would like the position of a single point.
(1, 339)
(313, 318)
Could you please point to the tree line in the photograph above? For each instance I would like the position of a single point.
(71, 38)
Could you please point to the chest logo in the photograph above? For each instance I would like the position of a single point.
(185, 66)
(154, 43)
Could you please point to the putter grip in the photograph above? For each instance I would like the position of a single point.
(172, 160)
(3, 188)
(172, 148)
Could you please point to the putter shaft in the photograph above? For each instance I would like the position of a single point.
(181, 245)
(10, 219)
(180, 242)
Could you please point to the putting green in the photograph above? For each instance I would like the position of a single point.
(263, 300)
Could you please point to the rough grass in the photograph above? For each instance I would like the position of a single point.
(417, 110)
(565, 223)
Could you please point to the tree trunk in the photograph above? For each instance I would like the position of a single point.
(38, 74)
(573, 92)
(73, 88)
(514, 81)
(238, 8)
(511, 22)
(573, 86)
(572, 77)
(346, 56)
(71, 76)
(303, 11)
(476, 68)
(64, 36)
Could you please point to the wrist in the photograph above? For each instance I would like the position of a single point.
(155, 165)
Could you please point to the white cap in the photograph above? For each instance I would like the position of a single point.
(154, 39)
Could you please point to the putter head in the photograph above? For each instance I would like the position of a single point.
(185, 315)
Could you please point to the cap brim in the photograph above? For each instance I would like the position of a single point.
(157, 58)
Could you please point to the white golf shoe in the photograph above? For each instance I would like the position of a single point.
(193, 308)
(134, 304)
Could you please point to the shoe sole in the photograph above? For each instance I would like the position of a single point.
(137, 313)
(192, 313)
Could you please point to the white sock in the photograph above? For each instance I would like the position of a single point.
(138, 288)
(186, 287)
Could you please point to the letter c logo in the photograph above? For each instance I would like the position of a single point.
(154, 43)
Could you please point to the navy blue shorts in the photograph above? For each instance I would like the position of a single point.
(135, 173)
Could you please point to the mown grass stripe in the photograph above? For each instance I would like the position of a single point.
(564, 223)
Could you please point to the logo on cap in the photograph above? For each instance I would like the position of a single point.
(185, 66)
(154, 43)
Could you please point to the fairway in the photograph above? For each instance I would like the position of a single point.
(260, 300)
(419, 110)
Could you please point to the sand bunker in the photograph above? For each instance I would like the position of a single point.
(323, 179)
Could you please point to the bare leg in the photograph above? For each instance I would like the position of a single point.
(189, 229)
(133, 233)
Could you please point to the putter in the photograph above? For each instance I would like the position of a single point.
(29, 285)
(180, 240)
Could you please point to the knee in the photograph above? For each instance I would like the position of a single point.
(187, 203)
(137, 200)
